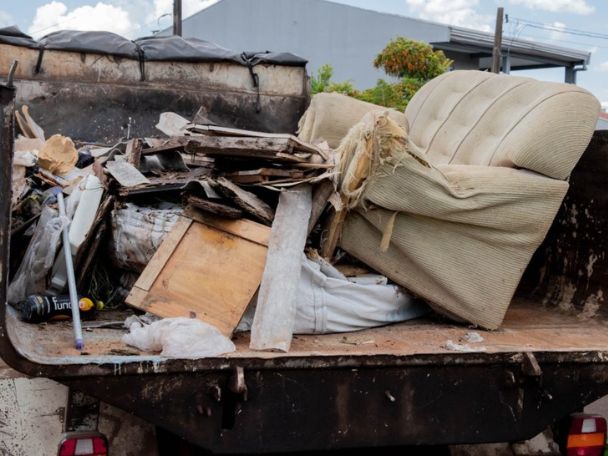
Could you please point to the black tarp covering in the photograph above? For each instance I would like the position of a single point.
(176, 48)
(95, 42)
(279, 58)
(161, 48)
(12, 35)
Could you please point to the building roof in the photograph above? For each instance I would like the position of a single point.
(524, 54)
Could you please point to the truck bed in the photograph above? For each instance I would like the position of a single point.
(528, 327)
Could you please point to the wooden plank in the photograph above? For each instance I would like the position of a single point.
(275, 149)
(322, 191)
(225, 131)
(166, 249)
(210, 274)
(252, 231)
(247, 201)
(133, 151)
(274, 318)
(215, 208)
(168, 145)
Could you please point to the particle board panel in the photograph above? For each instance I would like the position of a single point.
(203, 271)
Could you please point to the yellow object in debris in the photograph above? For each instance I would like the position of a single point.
(58, 155)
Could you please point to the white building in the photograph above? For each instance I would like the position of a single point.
(349, 38)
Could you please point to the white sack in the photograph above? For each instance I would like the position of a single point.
(179, 338)
(329, 302)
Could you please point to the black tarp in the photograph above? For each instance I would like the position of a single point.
(155, 48)
(175, 48)
(94, 42)
(278, 58)
(12, 35)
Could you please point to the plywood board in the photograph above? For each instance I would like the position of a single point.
(205, 272)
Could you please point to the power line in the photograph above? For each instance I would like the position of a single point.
(555, 28)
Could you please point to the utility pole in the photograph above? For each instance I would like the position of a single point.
(496, 58)
(177, 17)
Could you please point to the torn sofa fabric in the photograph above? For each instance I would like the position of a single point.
(331, 115)
(460, 225)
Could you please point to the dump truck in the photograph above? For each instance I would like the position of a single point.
(397, 385)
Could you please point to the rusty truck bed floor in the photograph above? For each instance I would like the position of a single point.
(527, 327)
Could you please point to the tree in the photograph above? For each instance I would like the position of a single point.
(322, 82)
(414, 62)
(405, 58)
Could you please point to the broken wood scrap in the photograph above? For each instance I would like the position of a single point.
(167, 145)
(274, 318)
(36, 130)
(204, 271)
(254, 176)
(198, 160)
(225, 131)
(125, 173)
(88, 250)
(23, 126)
(247, 201)
(274, 149)
(133, 151)
(174, 181)
(213, 207)
(333, 230)
(320, 196)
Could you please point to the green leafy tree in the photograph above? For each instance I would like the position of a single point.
(322, 82)
(405, 58)
(413, 62)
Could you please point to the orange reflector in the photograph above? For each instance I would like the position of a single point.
(587, 440)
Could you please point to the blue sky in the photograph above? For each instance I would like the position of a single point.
(134, 18)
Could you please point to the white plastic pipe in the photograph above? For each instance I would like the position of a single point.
(78, 340)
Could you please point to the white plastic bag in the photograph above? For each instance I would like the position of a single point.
(31, 277)
(178, 338)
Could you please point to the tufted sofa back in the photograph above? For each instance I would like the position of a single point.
(481, 118)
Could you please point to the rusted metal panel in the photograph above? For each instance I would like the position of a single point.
(570, 269)
(306, 409)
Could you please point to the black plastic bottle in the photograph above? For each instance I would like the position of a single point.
(40, 308)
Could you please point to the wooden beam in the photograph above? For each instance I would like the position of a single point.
(274, 318)
(496, 52)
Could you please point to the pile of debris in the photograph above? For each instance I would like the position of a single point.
(208, 223)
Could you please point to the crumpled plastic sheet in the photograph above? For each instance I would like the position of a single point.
(178, 338)
(31, 277)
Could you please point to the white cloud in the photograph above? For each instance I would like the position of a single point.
(454, 12)
(5, 19)
(603, 66)
(604, 105)
(102, 16)
(557, 6)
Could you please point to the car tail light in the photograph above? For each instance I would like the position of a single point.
(587, 435)
(83, 444)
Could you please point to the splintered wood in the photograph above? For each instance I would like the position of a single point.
(274, 318)
(207, 269)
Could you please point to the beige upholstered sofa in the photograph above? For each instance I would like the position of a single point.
(464, 225)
